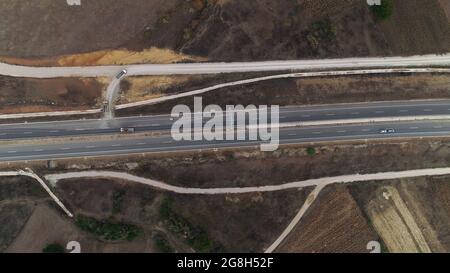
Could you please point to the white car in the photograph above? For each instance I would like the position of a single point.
(387, 131)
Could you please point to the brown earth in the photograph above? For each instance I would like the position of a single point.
(334, 223)
(47, 226)
(138, 88)
(263, 29)
(222, 30)
(25, 95)
(240, 223)
(424, 198)
(50, 28)
(417, 27)
(18, 198)
(426, 201)
(243, 222)
(446, 6)
(107, 57)
(307, 91)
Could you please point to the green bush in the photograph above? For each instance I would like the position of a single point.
(53, 248)
(383, 11)
(319, 33)
(162, 244)
(107, 229)
(311, 151)
(196, 237)
(117, 201)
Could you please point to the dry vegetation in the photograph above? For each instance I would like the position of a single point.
(243, 222)
(446, 6)
(147, 87)
(305, 91)
(108, 57)
(217, 30)
(334, 223)
(23, 95)
(417, 27)
(394, 222)
(250, 222)
(410, 215)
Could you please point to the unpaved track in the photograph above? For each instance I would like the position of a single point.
(214, 68)
(31, 174)
(309, 200)
(54, 178)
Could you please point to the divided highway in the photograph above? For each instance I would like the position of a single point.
(438, 109)
(293, 114)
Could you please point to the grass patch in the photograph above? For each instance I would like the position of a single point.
(383, 11)
(162, 244)
(117, 201)
(194, 236)
(320, 33)
(108, 230)
(53, 248)
(311, 151)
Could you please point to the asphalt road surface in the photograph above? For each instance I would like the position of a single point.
(166, 143)
(287, 115)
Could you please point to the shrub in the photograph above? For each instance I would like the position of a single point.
(383, 11)
(107, 229)
(319, 33)
(311, 151)
(53, 248)
(162, 244)
(117, 201)
(196, 237)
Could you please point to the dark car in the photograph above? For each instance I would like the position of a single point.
(127, 130)
(121, 74)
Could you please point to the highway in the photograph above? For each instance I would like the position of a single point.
(215, 68)
(292, 114)
(166, 143)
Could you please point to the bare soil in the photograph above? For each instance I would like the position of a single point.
(47, 226)
(425, 198)
(239, 223)
(334, 223)
(138, 88)
(446, 6)
(243, 222)
(248, 222)
(13, 216)
(219, 30)
(417, 27)
(310, 91)
(26, 95)
(18, 198)
(49, 28)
